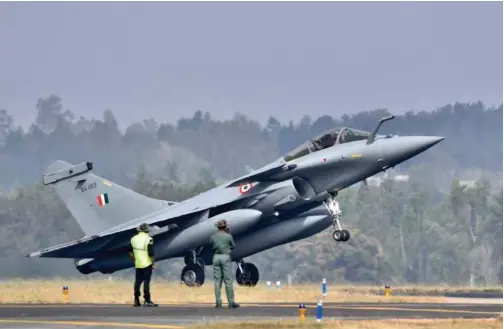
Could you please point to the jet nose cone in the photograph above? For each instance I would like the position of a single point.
(410, 146)
(429, 141)
(418, 144)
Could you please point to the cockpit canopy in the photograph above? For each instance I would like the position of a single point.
(327, 139)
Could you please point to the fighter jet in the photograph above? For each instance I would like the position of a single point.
(289, 199)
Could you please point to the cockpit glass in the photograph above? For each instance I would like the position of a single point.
(348, 135)
(325, 140)
(322, 141)
(298, 152)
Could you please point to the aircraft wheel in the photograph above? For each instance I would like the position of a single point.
(338, 235)
(343, 235)
(346, 234)
(249, 277)
(192, 275)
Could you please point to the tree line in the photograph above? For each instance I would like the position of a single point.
(443, 225)
(199, 147)
(401, 232)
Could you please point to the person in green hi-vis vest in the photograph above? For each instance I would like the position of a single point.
(142, 253)
(222, 243)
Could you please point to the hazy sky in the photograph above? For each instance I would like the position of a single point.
(165, 60)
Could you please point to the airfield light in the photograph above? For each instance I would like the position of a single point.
(387, 291)
(278, 284)
(324, 288)
(301, 312)
(65, 293)
(318, 311)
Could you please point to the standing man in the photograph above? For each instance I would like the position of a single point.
(142, 254)
(222, 243)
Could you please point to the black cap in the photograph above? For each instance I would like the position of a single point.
(143, 228)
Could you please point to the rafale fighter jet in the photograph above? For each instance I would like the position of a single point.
(289, 199)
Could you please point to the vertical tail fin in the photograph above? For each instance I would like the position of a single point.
(96, 203)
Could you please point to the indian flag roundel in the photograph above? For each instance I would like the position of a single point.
(245, 188)
(102, 199)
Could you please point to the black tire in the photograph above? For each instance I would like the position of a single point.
(249, 277)
(338, 235)
(346, 235)
(193, 276)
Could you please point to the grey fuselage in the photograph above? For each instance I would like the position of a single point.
(286, 207)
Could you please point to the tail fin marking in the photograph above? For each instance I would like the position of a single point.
(96, 203)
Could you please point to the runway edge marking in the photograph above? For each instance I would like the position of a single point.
(365, 308)
(384, 307)
(95, 323)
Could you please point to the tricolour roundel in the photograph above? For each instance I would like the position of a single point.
(244, 188)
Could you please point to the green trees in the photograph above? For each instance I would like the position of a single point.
(473, 143)
(401, 234)
(434, 228)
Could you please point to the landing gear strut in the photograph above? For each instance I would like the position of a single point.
(247, 274)
(332, 206)
(193, 274)
(192, 258)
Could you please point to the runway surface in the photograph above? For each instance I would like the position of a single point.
(63, 316)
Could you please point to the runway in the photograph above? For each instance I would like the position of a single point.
(176, 316)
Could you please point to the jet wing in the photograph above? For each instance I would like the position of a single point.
(74, 249)
(176, 215)
(115, 237)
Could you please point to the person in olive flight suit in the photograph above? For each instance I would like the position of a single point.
(222, 243)
(142, 253)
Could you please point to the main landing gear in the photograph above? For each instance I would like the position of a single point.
(332, 206)
(193, 274)
(247, 274)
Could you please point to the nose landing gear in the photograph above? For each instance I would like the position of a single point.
(339, 234)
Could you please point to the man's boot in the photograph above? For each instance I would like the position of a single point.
(137, 302)
(234, 305)
(150, 304)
